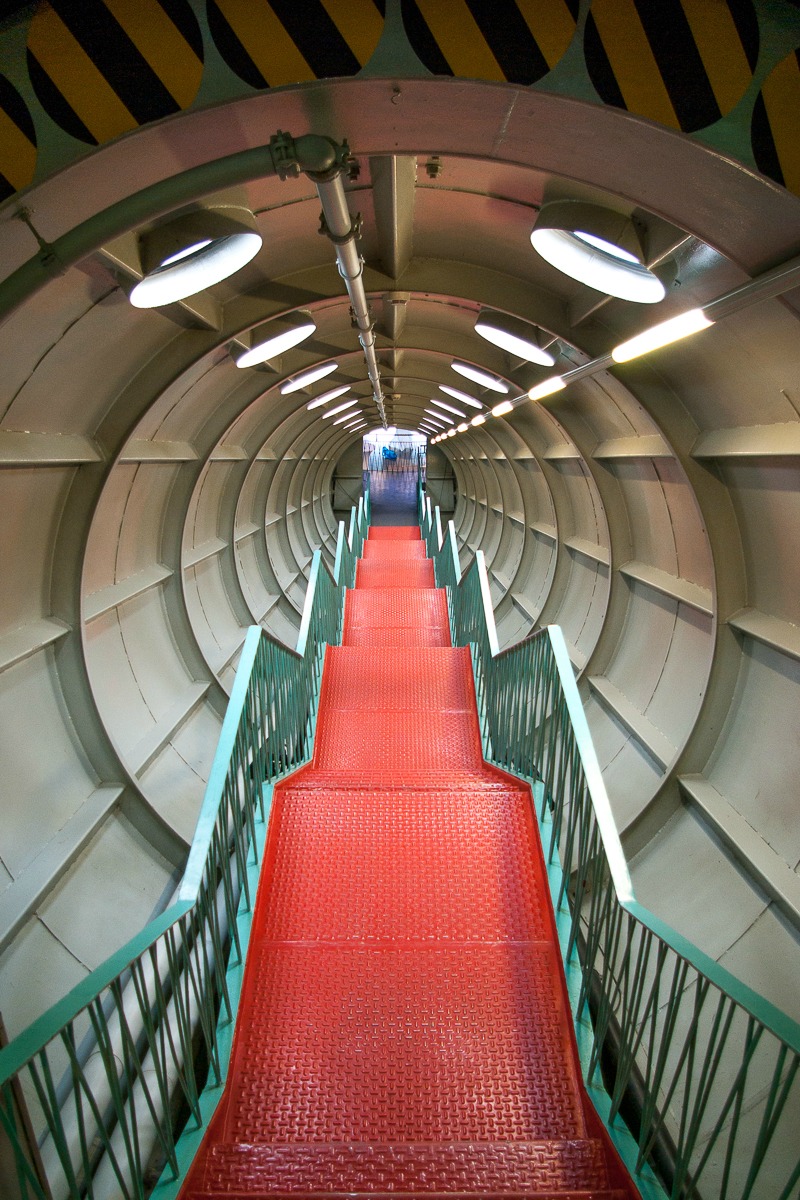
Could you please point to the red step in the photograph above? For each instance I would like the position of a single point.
(394, 533)
(403, 1028)
(412, 574)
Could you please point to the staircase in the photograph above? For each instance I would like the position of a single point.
(403, 1028)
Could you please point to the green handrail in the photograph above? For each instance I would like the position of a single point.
(716, 1067)
(108, 1070)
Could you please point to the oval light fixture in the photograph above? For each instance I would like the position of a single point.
(598, 247)
(457, 395)
(347, 418)
(500, 410)
(306, 377)
(478, 376)
(462, 428)
(318, 401)
(192, 252)
(442, 404)
(480, 419)
(273, 338)
(341, 408)
(514, 336)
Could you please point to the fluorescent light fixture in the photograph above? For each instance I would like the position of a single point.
(500, 410)
(457, 395)
(347, 417)
(326, 396)
(307, 377)
(448, 407)
(598, 247)
(274, 338)
(480, 419)
(547, 387)
(450, 433)
(662, 335)
(512, 335)
(478, 376)
(462, 428)
(340, 408)
(192, 252)
(441, 416)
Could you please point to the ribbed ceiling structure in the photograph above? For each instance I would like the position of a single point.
(156, 500)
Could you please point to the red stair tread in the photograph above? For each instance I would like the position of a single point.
(395, 575)
(396, 637)
(386, 551)
(403, 1025)
(381, 1044)
(394, 533)
(397, 744)
(356, 678)
(412, 851)
(498, 1168)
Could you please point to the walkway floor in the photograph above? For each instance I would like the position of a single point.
(403, 1028)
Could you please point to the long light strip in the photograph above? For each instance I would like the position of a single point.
(440, 416)
(307, 377)
(500, 410)
(664, 334)
(458, 395)
(341, 420)
(548, 388)
(479, 376)
(326, 396)
(449, 407)
(339, 408)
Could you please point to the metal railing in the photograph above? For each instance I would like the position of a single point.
(713, 1066)
(107, 1077)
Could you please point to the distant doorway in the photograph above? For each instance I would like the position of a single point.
(393, 460)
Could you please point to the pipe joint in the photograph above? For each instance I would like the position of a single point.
(341, 239)
(318, 156)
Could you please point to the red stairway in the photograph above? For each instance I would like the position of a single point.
(403, 1027)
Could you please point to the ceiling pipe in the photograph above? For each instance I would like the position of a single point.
(325, 162)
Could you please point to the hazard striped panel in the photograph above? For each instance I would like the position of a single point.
(518, 41)
(268, 44)
(103, 67)
(17, 141)
(683, 63)
(776, 116)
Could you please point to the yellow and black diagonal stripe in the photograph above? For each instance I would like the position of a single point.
(776, 124)
(269, 43)
(517, 41)
(102, 67)
(683, 63)
(17, 141)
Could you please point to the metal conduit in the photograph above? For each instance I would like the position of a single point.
(342, 232)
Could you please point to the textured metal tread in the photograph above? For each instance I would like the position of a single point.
(399, 744)
(427, 866)
(394, 533)
(381, 1044)
(539, 1168)
(431, 678)
(391, 575)
(397, 637)
(394, 551)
